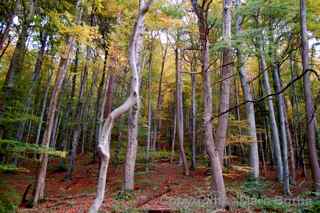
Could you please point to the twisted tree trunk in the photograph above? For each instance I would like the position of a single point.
(105, 135)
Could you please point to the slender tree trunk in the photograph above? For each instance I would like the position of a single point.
(62, 70)
(309, 105)
(271, 113)
(250, 113)
(157, 126)
(43, 109)
(173, 140)
(194, 113)
(78, 118)
(105, 135)
(217, 184)
(149, 109)
(291, 135)
(226, 72)
(34, 80)
(283, 130)
(179, 106)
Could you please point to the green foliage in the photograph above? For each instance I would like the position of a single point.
(8, 198)
(124, 195)
(313, 207)
(14, 146)
(272, 205)
(254, 187)
(174, 11)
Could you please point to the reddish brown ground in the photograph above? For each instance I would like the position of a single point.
(162, 182)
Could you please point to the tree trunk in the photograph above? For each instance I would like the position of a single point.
(271, 113)
(149, 110)
(78, 118)
(105, 135)
(133, 117)
(226, 72)
(217, 184)
(34, 80)
(173, 140)
(157, 126)
(179, 106)
(62, 70)
(100, 104)
(309, 105)
(283, 130)
(254, 156)
(193, 112)
(43, 109)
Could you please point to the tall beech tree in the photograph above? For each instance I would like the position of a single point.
(218, 188)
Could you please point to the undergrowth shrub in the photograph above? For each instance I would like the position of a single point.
(8, 198)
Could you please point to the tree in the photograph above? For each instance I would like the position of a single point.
(62, 70)
(226, 72)
(105, 135)
(254, 156)
(309, 107)
(179, 105)
(218, 187)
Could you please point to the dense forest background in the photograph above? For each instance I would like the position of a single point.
(219, 95)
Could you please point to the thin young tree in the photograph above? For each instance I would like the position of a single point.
(179, 105)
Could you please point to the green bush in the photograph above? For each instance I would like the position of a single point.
(124, 195)
(314, 207)
(254, 187)
(8, 199)
(272, 205)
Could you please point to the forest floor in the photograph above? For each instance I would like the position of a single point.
(163, 188)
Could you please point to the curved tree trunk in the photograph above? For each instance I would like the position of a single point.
(132, 147)
(105, 135)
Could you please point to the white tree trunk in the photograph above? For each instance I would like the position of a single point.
(105, 136)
